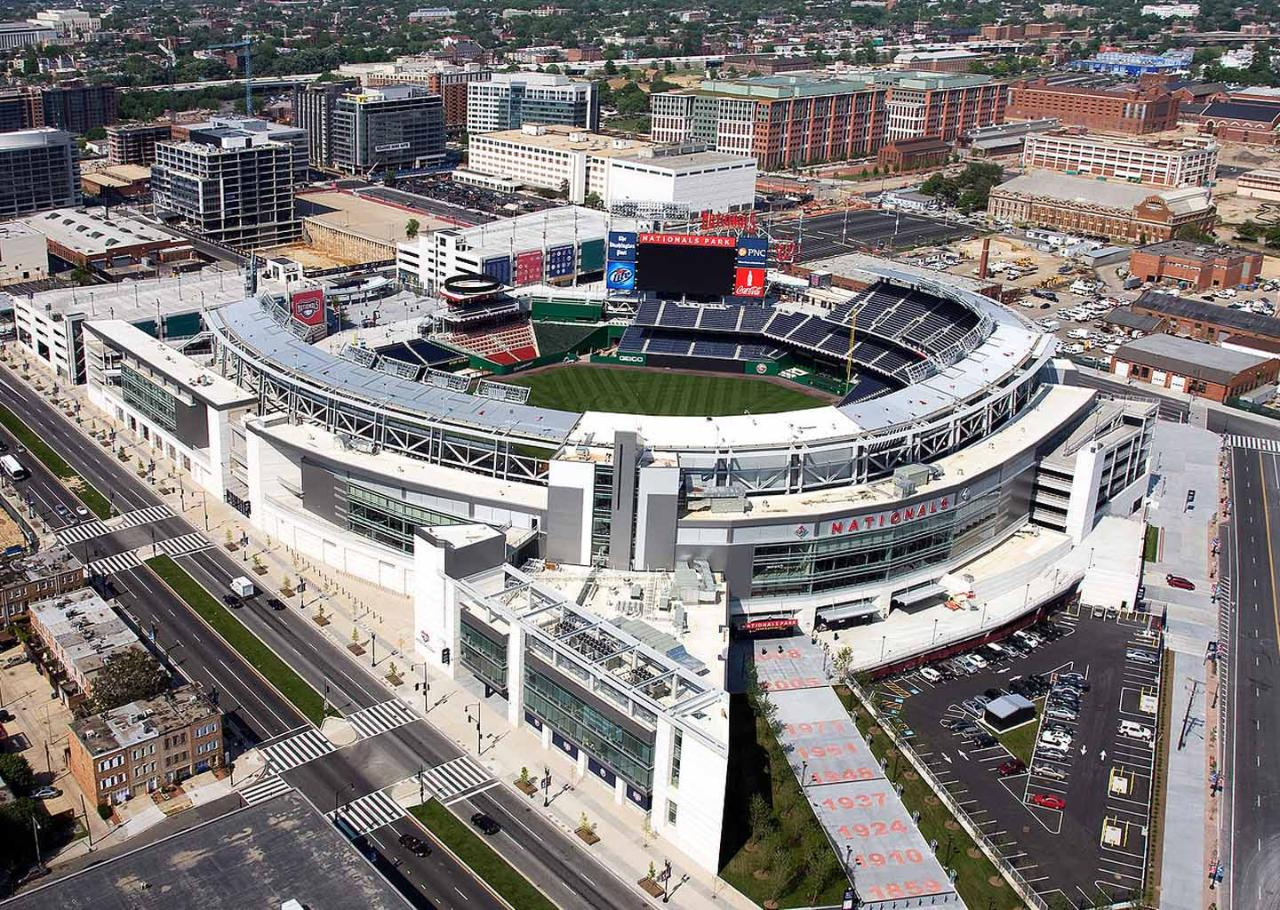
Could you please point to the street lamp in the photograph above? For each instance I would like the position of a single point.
(546, 786)
(476, 721)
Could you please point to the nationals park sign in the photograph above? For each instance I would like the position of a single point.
(886, 519)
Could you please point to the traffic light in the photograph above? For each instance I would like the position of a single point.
(445, 655)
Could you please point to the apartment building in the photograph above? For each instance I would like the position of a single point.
(145, 746)
(941, 106)
(313, 108)
(79, 106)
(397, 127)
(77, 635)
(135, 143)
(49, 572)
(1135, 108)
(39, 169)
(228, 186)
(780, 121)
(1190, 163)
(1116, 211)
(507, 101)
(20, 109)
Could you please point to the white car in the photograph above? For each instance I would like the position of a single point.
(1135, 730)
(977, 660)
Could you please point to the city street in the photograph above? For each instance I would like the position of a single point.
(544, 854)
(1251, 822)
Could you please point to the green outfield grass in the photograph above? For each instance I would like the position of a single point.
(579, 387)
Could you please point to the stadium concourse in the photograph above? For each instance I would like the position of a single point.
(594, 568)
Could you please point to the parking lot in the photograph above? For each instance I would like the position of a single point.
(862, 230)
(1074, 820)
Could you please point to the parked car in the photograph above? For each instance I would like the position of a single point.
(1177, 581)
(1075, 680)
(45, 793)
(1011, 767)
(929, 674)
(14, 660)
(1049, 771)
(1048, 801)
(82, 512)
(1142, 656)
(1135, 730)
(985, 740)
(485, 824)
(977, 660)
(1062, 714)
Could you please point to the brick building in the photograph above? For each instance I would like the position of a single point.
(1144, 107)
(940, 105)
(145, 746)
(1237, 121)
(1117, 211)
(914, 154)
(135, 143)
(74, 636)
(1203, 320)
(1193, 367)
(1194, 265)
(49, 572)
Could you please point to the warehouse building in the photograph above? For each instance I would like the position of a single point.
(1203, 320)
(1195, 266)
(1194, 367)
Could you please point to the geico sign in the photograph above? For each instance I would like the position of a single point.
(891, 517)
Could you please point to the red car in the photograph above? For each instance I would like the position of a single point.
(1177, 581)
(1048, 801)
(1011, 767)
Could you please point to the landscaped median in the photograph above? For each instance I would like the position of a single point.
(93, 500)
(250, 647)
(482, 859)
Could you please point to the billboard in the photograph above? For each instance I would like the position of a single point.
(622, 246)
(733, 221)
(560, 261)
(753, 252)
(592, 255)
(307, 306)
(528, 267)
(620, 276)
(748, 282)
(690, 264)
(498, 268)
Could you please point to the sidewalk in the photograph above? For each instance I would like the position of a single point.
(382, 622)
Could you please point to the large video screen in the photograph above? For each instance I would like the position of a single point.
(695, 271)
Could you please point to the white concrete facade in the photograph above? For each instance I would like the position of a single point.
(1189, 165)
(704, 181)
(24, 254)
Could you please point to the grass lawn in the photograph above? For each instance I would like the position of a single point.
(250, 647)
(1022, 740)
(977, 879)
(758, 767)
(635, 123)
(579, 387)
(93, 500)
(477, 855)
(1151, 544)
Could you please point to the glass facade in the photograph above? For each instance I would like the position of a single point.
(149, 399)
(592, 729)
(485, 658)
(829, 563)
(388, 521)
(601, 513)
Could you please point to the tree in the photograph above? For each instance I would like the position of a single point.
(411, 228)
(1249, 231)
(133, 675)
(760, 817)
(16, 772)
(1194, 233)
(593, 200)
(610, 68)
(820, 867)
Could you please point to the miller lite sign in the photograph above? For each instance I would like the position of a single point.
(307, 306)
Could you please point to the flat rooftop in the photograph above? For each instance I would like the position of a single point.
(139, 721)
(377, 221)
(93, 232)
(139, 301)
(1197, 359)
(568, 139)
(1199, 252)
(258, 857)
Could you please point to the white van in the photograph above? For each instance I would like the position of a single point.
(1135, 730)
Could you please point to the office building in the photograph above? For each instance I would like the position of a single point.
(1116, 211)
(561, 158)
(313, 107)
(228, 186)
(14, 35)
(394, 128)
(75, 25)
(23, 256)
(145, 746)
(781, 121)
(439, 77)
(78, 106)
(1262, 183)
(292, 136)
(1194, 367)
(941, 106)
(1190, 163)
(948, 61)
(20, 109)
(1133, 108)
(507, 101)
(1194, 265)
(39, 169)
(687, 179)
(135, 143)
(1171, 10)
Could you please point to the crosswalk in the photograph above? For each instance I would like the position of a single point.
(381, 718)
(296, 750)
(86, 530)
(139, 517)
(458, 779)
(184, 545)
(368, 813)
(264, 790)
(110, 565)
(1253, 442)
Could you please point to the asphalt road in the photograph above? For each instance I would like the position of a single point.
(542, 852)
(1252, 763)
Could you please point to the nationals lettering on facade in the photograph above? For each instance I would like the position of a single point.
(889, 518)
(689, 240)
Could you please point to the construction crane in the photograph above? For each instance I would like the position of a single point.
(245, 45)
(173, 62)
